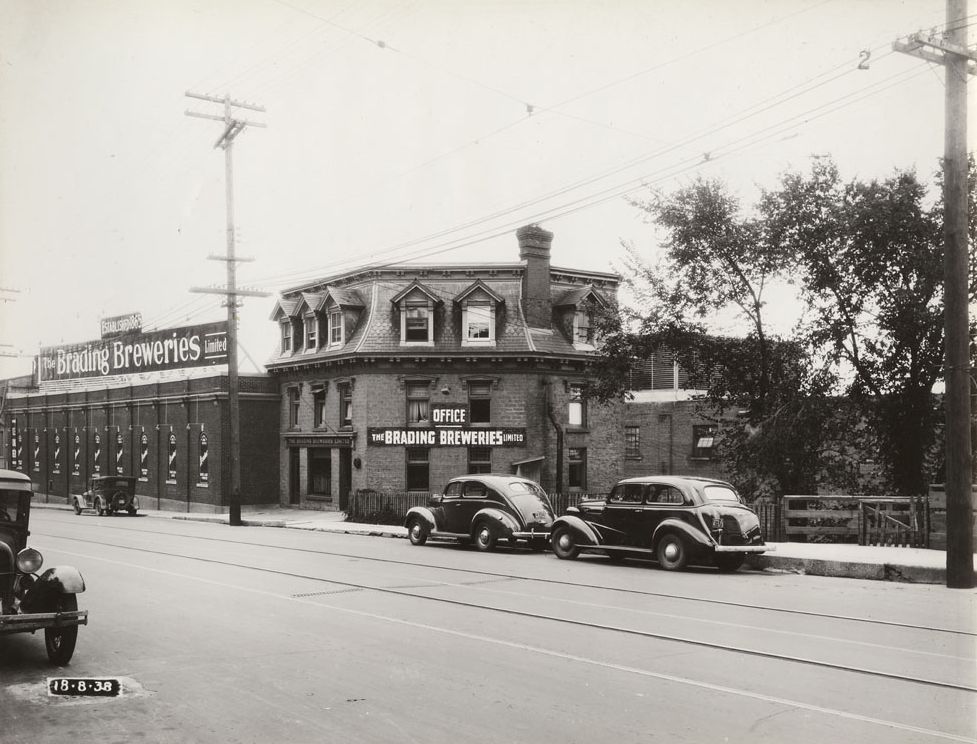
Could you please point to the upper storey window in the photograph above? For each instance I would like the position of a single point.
(479, 322)
(479, 309)
(336, 330)
(287, 340)
(417, 322)
(311, 331)
(583, 326)
(416, 305)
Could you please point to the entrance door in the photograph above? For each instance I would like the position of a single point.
(293, 475)
(345, 477)
(320, 471)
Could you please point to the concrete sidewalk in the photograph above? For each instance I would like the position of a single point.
(915, 565)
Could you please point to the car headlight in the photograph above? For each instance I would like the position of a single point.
(29, 560)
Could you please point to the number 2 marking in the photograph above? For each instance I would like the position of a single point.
(865, 55)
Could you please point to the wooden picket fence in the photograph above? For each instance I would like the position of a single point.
(375, 507)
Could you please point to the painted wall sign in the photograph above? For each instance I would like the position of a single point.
(144, 455)
(203, 472)
(449, 414)
(57, 454)
(173, 348)
(446, 437)
(120, 325)
(119, 452)
(14, 445)
(97, 455)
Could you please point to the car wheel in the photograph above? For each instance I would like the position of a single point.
(564, 544)
(729, 562)
(60, 642)
(484, 537)
(417, 532)
(77, 507)
(100, 508)
(132, 511)
(672, 554)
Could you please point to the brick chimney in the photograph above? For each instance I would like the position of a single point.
(534, 250)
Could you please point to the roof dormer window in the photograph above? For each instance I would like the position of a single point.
(417, 322)
(478, 321)
(336, 330)
(479, 309)
(286, 326)
(311, 322)
(583, 327)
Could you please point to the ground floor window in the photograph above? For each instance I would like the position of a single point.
(479, 460)
(320, 471)
(577, 471)
(418, 469)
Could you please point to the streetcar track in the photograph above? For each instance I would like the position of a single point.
(505, 576)
(524, 647)
(542, 616)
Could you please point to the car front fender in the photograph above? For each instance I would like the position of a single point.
(422, 513)
(504, 523)
(583, 533)
(677, 526)
(44, 594)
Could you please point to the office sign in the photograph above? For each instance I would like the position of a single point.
(173, 348)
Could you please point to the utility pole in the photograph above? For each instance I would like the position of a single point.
(950, 51)
(232, 128)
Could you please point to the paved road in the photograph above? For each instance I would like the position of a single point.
(359, 639)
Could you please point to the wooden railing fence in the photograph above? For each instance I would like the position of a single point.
(375, 507)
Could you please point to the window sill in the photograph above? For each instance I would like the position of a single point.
(318, 497)
(417, 343)
(577, 429)
(633, 457)
(699, 458)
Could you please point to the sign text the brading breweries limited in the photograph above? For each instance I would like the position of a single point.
(173, 348)
(449, 427)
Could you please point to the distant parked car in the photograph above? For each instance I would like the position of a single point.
(107, 495)
(485, 509)
(30, 600)
(676, 520)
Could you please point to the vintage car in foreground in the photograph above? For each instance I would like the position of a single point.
(486, 510)
(676, 520)
(107, 495)
(30, 601)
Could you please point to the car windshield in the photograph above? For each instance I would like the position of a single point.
(13, 506)
(528, 496)
(721, 493)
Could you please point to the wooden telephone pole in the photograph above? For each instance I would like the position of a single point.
(232, 128)
(950, 50)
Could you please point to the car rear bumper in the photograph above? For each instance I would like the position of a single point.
(743, 548)
(37, 620)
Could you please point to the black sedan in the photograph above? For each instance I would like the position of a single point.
(677, 520)
(485, 510)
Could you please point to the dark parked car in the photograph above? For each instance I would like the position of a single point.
(673, 519)
(485, 509)
(107, 495)
(28, 601)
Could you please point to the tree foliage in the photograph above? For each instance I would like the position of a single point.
(867, 260)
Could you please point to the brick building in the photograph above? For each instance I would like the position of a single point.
(169, 429)
(397, 378)
(664, 429)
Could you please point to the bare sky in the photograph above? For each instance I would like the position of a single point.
(405, 129)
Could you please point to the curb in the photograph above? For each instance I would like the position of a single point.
(849, 569)
(765, 562)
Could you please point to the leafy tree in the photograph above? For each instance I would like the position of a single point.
(717, 260)
(869, 260)
(867, 257)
